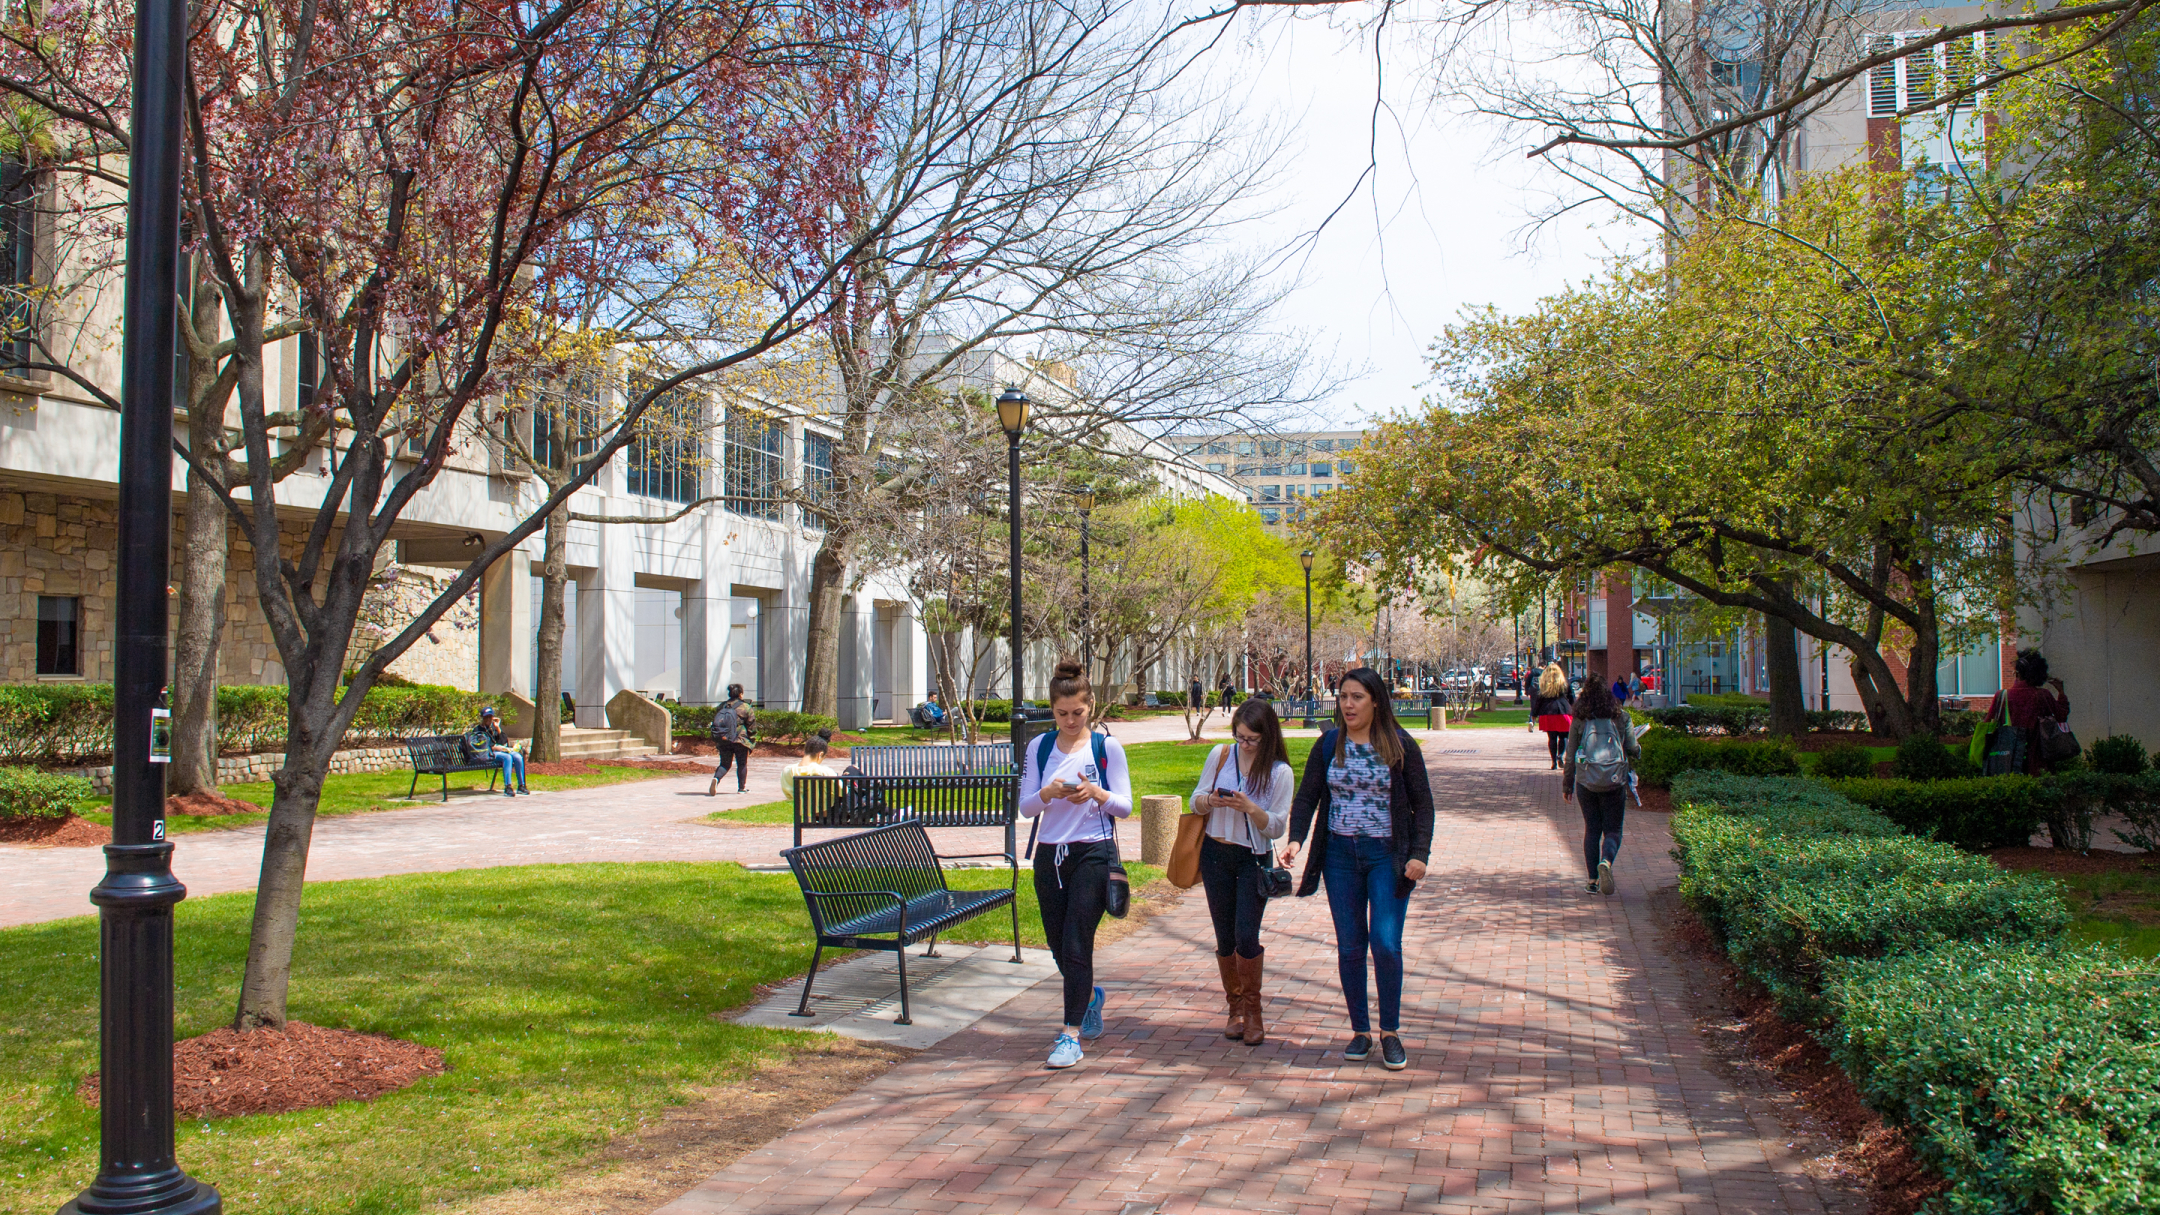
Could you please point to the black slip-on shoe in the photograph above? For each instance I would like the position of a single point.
(1360, 1046)
(1392, 1055)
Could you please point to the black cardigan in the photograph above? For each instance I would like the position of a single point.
(1410, 812)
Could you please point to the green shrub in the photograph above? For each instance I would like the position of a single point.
(2028, 1077)
(2118, 755)
(72, 723)
(1787, 905)
(990, 710)
(1780, 805)
(1173, 700)
(30, 793)
(1991, 812)
(1666, 755)
(1923, 757)
(692, 721)
(251, 717)
(55, 723)
(1845, 760)
(784, 725)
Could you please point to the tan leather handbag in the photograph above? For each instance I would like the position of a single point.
(1184, 868)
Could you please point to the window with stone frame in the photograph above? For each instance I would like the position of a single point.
(754, 455)
(59, 635)
(18, 260)
(664, 460)
(817, 475)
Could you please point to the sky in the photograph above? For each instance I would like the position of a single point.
(1441, 225)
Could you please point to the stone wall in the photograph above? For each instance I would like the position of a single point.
(60, 544)
(242, 769)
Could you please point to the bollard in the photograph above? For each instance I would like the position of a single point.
(1158, 827)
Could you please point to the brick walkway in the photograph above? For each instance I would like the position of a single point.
(1554, 1067)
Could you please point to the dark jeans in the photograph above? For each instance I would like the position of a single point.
(1232, 875)
(1555, 744)
(1602, 814)
(1360, 877)
(738, 756)
(1070, 893)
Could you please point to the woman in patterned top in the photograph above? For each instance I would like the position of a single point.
(1368, 778)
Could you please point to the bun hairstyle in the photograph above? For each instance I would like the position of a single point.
(1069, 678)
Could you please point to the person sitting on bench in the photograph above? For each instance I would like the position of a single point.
(489, 741)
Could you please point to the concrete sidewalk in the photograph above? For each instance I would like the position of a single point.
(1554, 1066)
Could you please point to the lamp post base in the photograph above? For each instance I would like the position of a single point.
(176, 1195)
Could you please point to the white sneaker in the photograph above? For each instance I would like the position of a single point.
(1604, 877)
(1065, 1051)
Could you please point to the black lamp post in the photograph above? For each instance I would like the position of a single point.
(1312, 702)
(1012, 410)
(1086, 500)
(137, 1171)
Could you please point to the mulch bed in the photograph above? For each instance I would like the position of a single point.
(1741, 1025)
(586, 767)
(69, 832)
(765, 750)
(1656, 801)
(274, 1071)
(2064, 860)
(206, 803)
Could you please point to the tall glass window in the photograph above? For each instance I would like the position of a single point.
(59, 635)
(817, 474)
(754, 449)
(663, 458)
(18, 256)
(566, 421)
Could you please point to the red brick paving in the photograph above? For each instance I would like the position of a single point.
(1553, 1064)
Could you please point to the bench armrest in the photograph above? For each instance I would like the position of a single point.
(1008, 857)
(894, 895)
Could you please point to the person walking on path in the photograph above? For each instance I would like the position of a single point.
(2034, 696)
(1366, 783)
(1075, 783)
(1601, 751)
(732, 724)
(1195, 695)
(1245, 790)
(1229, 700)
(489, 739)
(1552, 710)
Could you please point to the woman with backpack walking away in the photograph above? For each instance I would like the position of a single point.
(1245, 791)
(1601, 751)
(1552, 710)
(1366, 782)
(731, 726)
(1075, 783)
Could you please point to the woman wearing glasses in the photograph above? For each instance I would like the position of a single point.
(1245, 791)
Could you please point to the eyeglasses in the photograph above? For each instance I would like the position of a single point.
(1248, 740)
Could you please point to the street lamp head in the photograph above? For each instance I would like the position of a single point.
(1012, 407)
(1305, 559)
(1085, 497)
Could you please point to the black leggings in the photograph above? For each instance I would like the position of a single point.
(1232, 875)
(1070, 893)
(1602, 815)
(1555, 744)
(737, 755)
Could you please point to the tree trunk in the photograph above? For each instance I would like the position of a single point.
(195, 642)
(297, 789)
(1788, 711)
(821, 660)
(554, 586)
(203, 553)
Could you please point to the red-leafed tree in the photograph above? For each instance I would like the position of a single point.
(417, 183)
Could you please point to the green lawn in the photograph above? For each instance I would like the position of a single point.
(360, 792)
(2123, 908)
(573, 1001)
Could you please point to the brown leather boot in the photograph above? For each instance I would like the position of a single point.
(1248, 974)
(1234, 993)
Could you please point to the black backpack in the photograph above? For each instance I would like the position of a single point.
(726, 724)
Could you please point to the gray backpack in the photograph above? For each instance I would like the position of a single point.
(1601, 759)
(727, 723)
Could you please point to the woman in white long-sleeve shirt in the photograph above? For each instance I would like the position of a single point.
(1078, 786)
(1245, 790)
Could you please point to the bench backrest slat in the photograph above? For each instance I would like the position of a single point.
(968, 760)
(436, 750)
(898, 858)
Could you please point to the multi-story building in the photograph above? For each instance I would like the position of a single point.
(1277, 473)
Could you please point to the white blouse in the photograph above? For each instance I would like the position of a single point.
(1076, 820)
(1225, 823)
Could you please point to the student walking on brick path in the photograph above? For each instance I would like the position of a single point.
(731, 726)
(1076, 784)
(1550, 708)
(1245, 790)
(1366, 784)
(1601, 751)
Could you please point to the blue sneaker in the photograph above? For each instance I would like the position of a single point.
(1065, 1051)
(1091, 1024)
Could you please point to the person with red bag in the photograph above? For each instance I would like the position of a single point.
(1553, 710)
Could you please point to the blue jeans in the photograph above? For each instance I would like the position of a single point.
(1360, 877)
(512, 764)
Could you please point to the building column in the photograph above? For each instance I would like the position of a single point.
(506, 625)
(606, 625)
(855, 664)
(707, 616)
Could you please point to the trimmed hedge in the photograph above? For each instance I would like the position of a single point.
(2029, 1076)
(1989, 812)
(1845, 761)
(1666, 755)
(29, 793)
(1923, 757)
(774, 725)
(1780, 805)
(72, 723)
(1740, 715)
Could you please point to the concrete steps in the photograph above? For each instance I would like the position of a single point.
(603, 744)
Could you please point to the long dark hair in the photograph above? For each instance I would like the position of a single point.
(1258, 716)
(2031, 668)
(1386, 735)
(1596, 700)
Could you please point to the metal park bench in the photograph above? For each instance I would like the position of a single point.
(931, 760)
(885, 889)
(442, 754)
